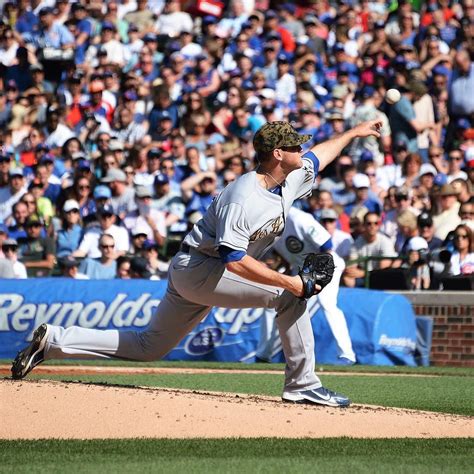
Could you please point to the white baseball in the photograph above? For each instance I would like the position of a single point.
(392, 96)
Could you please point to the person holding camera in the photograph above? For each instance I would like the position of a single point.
(419, 273)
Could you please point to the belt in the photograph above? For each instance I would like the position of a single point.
(185, 248)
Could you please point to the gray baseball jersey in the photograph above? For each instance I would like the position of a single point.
(246, 216)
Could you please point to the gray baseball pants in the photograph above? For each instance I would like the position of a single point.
(196, 283)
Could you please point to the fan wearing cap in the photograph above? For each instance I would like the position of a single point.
(10, 252)
(341, 241)
(49, 32)
(11, 194)
(403, 201)
(419, 273)
(426, 230)
(98, 105)
(169, 201)
(70, 235)
(426, 176)
(69, 267)
(89, 245)
(115, 51)
(149, 220)
(37, 252)
(218, 265)
(448, 216)
(207, 77)
(123, 195)
(361, 183)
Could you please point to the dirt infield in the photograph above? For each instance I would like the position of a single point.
(47, 409)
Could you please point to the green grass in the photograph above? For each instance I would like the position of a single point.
(460, 371)
(263, 455)
(448, 394)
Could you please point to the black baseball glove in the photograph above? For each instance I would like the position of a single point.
(317, 269)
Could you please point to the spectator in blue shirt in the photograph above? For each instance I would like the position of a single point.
(70, 235)
(105, 267)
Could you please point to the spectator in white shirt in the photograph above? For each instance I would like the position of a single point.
(89, 245)
(10, 250)
(341, 241)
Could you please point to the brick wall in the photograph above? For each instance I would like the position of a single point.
(452, 313)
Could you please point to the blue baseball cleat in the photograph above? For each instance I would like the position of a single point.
(318, 396)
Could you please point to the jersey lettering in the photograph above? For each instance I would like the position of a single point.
(275, 227)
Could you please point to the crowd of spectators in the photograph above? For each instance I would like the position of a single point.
(121, 120)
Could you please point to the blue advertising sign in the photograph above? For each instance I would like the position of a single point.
(381, 326)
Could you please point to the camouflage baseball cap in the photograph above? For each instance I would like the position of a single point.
(274, 135)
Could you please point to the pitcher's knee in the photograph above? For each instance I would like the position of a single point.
(152, 348)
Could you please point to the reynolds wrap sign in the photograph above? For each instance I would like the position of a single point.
(382, 326)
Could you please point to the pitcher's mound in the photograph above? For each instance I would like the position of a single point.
(44, 409)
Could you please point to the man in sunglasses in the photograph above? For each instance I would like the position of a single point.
(10, 250)
(372, 243)
(105, 267)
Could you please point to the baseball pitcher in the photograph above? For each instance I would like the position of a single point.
(218, 265)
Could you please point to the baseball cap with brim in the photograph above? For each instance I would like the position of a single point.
(3, 229)
(448, 190)
(68, 262)
(10, 242)
(33, 220)
(142, 192)
(83, 165)
(139, 265)
(106, 210)
(416, 244)
(277, 134)
(116, 145)
(79, 155)
(70, 205)
(16, 172)
(427, 168)
(328, 214)
(114, 174)
(102, 192)
(424, 220)
(139, 230)
(161, 179)
(361, 180)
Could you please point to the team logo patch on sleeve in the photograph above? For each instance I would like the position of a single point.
(293, 244)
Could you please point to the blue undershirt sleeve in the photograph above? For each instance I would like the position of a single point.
(326, 246)
(228, 254)
(311, 156)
